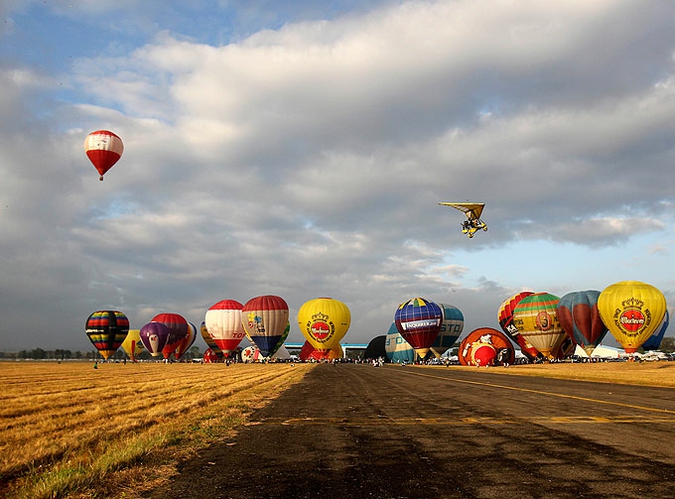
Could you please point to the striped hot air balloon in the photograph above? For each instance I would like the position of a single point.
(107, 330)
(265, 319)
(536, 319)
(419, 322)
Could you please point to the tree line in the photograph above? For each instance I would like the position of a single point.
(64, 354)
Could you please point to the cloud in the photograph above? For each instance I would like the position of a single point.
(306, 157)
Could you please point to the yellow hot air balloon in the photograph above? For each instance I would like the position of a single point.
(132, 344)
(632, 311)
(324, 322)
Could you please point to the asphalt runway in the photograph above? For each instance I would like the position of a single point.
(356, 431)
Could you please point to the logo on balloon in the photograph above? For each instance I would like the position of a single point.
(255, 322)
(322, 329)
(420, 324)
(543, 320)
(632, 319)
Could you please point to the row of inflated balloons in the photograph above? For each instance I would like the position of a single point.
(541, 324)
(264, 320)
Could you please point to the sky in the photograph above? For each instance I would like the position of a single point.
(301, 148)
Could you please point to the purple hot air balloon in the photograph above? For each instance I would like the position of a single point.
(154, 336)
(419, 322)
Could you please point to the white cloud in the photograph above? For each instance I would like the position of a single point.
(308, 159)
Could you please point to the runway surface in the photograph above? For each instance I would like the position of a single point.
(355, 431)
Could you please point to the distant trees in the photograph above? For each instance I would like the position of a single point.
(62, 354)
(41, 354)
(667, 344)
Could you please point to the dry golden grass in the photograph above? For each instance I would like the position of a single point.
(647, 373)
(69, 430)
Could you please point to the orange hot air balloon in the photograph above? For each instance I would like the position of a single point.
(632, 311)
(324, 322)
(536, 319)
(103, 149)
(485, 347)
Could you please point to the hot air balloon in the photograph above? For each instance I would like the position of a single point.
(132, 344)
(505, 317)
(486, 347)
(210, 356)
(252, 354)
(397, 349)
(265, 319)
(419, 322)
(452, 326)
(654, 341)
(107, 329)
(578, 316)
(154, 336)
(209, 341)
(103, 149)
(224, 326)
(632, 311)
(536, 319)
(308, 352)
(178, 329)
(185, 344)
(324, 322)
(281, 341)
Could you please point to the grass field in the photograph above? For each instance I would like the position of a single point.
(71, 431)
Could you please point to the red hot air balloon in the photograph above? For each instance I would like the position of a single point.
(579, 317)
(210, 356)
(154, 336)
(178, 329)
(265, 319)
(419, 321)
(103, 149)
(224, 326)
(485, 347)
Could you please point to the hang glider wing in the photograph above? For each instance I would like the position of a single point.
(473, 211)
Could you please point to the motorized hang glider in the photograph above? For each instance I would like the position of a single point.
(473, 211)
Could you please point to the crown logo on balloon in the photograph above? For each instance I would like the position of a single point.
(633, 303)
(320, 317)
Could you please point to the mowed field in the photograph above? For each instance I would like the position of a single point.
(69, 430)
